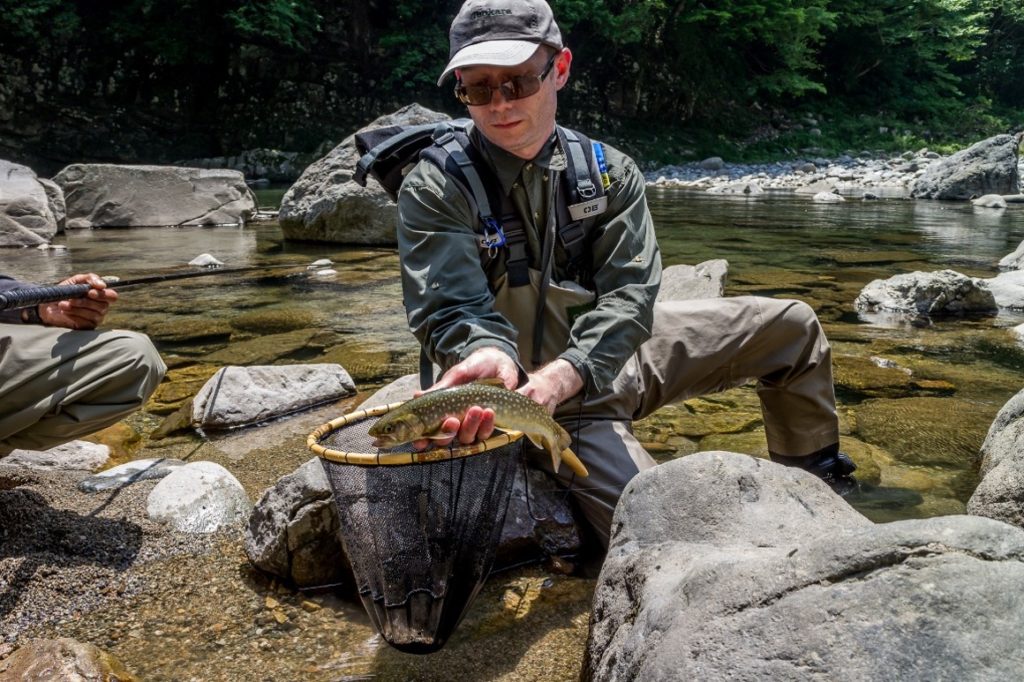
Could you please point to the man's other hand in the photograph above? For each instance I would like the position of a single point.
(80, 313)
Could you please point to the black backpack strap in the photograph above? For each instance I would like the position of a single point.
(584, 187)
(454, 153)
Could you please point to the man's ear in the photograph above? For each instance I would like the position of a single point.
(563, 65)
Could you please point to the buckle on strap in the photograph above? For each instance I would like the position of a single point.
(572, 234)
(493, 237)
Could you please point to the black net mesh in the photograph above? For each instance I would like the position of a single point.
(421, 537)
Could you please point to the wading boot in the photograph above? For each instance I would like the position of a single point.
(828, 464)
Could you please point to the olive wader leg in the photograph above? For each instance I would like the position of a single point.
(699, 347)
(57, 384)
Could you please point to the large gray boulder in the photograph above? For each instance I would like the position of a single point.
(1000, 494)
(293, 529)
(686, 282)
(326, 205)
(945, 292)
(30, 212)
(722, 566)
(108, 195)
(239, 396)
(987, 167)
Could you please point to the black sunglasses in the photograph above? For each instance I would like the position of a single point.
(516, 87)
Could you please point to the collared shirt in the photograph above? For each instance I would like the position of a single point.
(448, 293)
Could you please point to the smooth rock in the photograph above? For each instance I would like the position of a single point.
(125, 474)
(686, 282)
(102, 195)
(74, 455)
(239, 396)
(205, 260)
(990, 201)
(326, 205)
(1000, 494)
(722, 566)
(1013, 261)
(1007, 289)
(945, 292)
(27, 212)
(828, 198)
(987, 167)
(200, 497)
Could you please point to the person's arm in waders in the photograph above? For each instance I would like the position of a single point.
(446, 294)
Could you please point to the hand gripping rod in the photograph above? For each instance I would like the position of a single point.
(29, 296)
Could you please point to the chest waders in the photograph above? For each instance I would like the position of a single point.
(542, 310)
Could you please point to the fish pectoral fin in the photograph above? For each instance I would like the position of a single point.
(537, 441)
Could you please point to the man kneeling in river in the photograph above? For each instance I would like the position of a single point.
(60, 378)
(558, 300)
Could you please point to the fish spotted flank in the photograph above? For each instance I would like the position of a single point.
(422, 418)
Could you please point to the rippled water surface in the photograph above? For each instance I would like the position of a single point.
(915, 427)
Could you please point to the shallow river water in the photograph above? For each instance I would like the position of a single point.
(915, 427)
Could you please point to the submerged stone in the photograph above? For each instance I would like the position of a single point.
(274, 320)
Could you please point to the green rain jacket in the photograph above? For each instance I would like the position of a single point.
(448, 283)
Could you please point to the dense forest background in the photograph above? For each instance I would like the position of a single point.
(159, 80)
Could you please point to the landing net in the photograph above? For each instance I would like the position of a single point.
(419, 528)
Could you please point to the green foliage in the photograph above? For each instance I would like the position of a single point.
(26, 24)
(732, 75)
(285, 22)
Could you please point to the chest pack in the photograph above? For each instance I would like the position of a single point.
(388, 154)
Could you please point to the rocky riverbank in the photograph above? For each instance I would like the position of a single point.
(865, 175)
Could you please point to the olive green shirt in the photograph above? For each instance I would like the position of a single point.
(448, 291)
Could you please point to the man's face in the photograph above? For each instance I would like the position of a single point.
(521, 126)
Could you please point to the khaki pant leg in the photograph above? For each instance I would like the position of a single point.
(58, 384)
(703, 346)
(612, 455)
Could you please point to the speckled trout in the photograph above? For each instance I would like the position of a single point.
(422, 418)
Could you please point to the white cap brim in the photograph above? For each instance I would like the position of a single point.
(491, 53)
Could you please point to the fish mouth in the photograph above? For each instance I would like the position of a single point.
(382, 442)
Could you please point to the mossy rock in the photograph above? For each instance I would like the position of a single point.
(301, 344)
(273, 320)
(749, 443)
(189, 329)
(178, 386)
(701, 425)
(364, 361)
(121, 438)
(862, 377)
(871, 257)
(870, 459)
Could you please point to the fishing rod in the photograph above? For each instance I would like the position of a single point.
(29, 296)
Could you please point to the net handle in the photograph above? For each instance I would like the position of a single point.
(397, 458)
